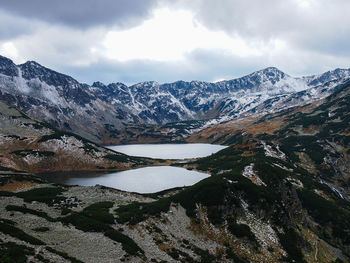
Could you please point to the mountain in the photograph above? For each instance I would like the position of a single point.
(100, 112)
(279, 193)
(32, 146)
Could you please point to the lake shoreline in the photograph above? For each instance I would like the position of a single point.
(165, 174)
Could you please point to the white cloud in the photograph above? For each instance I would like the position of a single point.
(177, 39)
(8, 49)
(169, 35)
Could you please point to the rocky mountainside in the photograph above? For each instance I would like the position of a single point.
(32, 146)
(279, 193)
(100, 112)
(315, 137)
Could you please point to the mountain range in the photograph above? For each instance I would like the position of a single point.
(100, 112)
(280, 191)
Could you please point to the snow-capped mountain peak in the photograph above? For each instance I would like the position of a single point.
(7, 67)
(99, 111)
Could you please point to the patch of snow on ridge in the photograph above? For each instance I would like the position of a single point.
(295, 182)
(282, 167)
(275, 153)
(21, 82)
(251, 175)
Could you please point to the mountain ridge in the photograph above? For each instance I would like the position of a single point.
(100, 112)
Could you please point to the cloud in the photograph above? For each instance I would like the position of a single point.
(168, 36)
(203, 65)
(309, 24)
(82, 13)
(13, 26)
(197, 66)
(169, 40)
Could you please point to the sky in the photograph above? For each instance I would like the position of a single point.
(131, 41)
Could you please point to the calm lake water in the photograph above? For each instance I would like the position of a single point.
(168, 151)
(143, 180)
(149, 179)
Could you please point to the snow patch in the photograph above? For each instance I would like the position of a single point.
(295, 182)
(275, 153)
(282, 167)
(251, 175)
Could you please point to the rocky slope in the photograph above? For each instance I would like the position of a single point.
(100, 112)
(33, 146)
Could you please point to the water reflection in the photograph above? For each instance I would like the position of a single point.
(142, 180)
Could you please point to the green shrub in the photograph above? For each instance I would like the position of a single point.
(42, 259)
(129, 245)
(232, 255)
(327, 212)
(322, 210)
(56, 135)
(85, 223)
(6, 194)
(7, 221)
(206, 257)
(137, 212)
(15, 232)
(7, 169)
(208, 192)
(241, 230)
(117, 157)
(41, 229)
(290, 242)
(25, 210)
(13, 253)
(100, 212)
(63, 254)
(47, 195)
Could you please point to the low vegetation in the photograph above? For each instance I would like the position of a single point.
(63, 254)
(26, 210)
(208, 192)
(47, 195)
(241, 230)
(13, 253)
(96, 218)
(11, 230)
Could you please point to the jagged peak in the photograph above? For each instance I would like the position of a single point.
(270, 71)
(6, 60)
(32, 64)
(147, 83)
(113, 84)
(32, 69)
(98, 84)
(7, 67)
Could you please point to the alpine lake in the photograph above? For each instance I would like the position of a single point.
(148, 179)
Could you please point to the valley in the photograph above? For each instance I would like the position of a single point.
(279, 191)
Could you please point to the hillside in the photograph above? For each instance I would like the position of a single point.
(33, 146)
(279, 193)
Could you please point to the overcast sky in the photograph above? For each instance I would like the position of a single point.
(167, 40)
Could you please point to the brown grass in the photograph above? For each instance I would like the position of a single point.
(16, 186)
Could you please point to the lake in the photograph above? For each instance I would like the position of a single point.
(148, 179)
(168, 151)
(142, 180)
